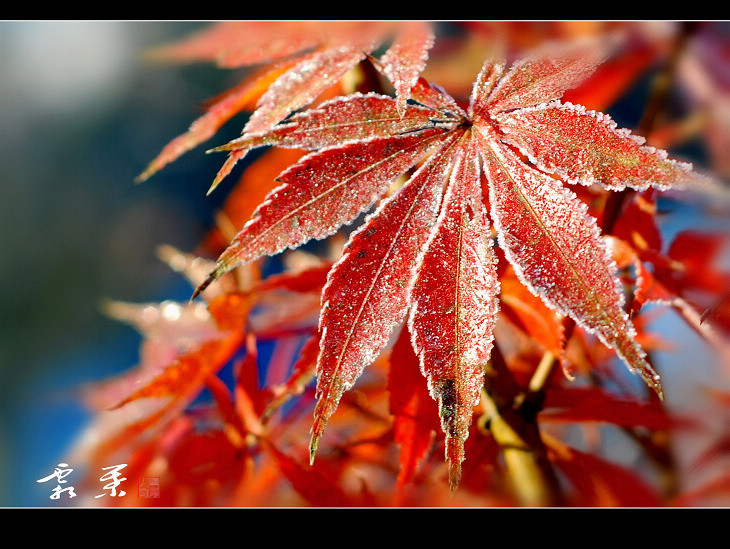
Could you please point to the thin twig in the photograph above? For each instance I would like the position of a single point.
(513, 424)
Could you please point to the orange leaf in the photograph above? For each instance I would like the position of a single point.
(531, 314)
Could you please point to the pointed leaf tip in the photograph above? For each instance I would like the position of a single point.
(200, 289)
(455, 451)
(313, 444)
(213, 186)
(214, 275)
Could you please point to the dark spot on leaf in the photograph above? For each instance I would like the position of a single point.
(449, 402)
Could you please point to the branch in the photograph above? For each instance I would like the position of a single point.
(512, 421)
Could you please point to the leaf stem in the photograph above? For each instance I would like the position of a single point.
(540, 376)
(526, 473)
(542, 372)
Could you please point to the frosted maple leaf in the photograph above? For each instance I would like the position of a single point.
(425, 254)
(302, 59)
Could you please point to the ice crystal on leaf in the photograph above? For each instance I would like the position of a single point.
(454, 302)
(301, 60)
(425, 254)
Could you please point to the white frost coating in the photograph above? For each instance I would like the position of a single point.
(439, 100)
(317, 128)
(493, 69)
(368, 353)
(558, 66)
(325, 230)
(296, 118)
(520, 115)
(399, 63)
(337, 101)
(441, 146)
(601, 331)
(292, 81)
(519, 272)
(476, 303)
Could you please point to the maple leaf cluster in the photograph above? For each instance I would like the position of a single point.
(469, 212)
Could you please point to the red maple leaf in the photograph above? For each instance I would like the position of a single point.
(425, 255)
(302, 60)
